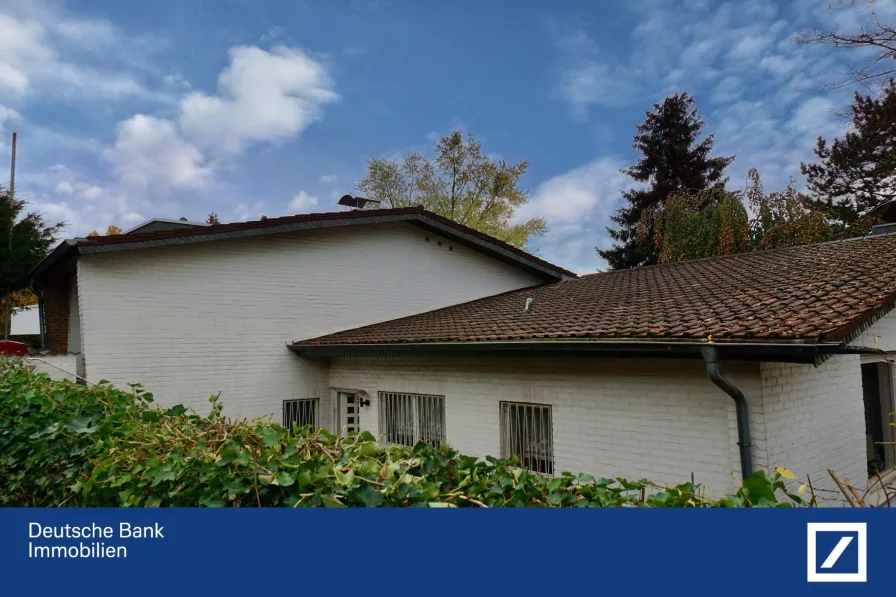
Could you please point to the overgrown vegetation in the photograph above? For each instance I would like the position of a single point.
(694, 224)
(63, 444)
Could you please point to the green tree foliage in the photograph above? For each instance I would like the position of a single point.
(25, 238)
(858, 172)
(111, 229)
(460, 183)
(696, 224)
(673, 160)
(708, 223)
(212, 218)
(74, 445)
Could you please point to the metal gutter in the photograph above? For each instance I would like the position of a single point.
(42, 322)
(785, 352)
(711, 356)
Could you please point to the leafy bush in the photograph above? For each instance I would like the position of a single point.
(73, 445)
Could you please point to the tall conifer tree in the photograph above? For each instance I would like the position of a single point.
(858, 172)
(673, 160)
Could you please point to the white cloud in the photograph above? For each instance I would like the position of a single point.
(41, 50)
(148, 151)
(65, 188)
(249, 212)
(577, 206)
(263, 96)
(586, 76)
(132, 217)
(760, 93)
(302, 202)
(813, 116)
(93, 192)
(749, 47)
(329, 179)
(177, 82)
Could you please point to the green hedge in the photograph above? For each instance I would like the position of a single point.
(73, 445)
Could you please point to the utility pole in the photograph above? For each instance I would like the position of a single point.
(7, 322)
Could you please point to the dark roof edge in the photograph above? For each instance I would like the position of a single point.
(60, 252)
(769, 351)
(421, 218)
(851, 331)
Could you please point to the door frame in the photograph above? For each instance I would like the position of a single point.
(886, 380)
(339, 423)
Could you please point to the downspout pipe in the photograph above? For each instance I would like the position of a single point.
(40, 313)
(711, 356)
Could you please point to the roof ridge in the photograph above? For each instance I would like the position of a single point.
(460, 233)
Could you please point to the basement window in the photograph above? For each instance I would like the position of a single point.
(406, 419)
(527, 432)
(301, 413)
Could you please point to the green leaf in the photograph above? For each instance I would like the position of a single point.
(161, 477)
(270, 437)
(370, 496)
(230, 452)
(283, 479)
(331, 502)
(81, 425)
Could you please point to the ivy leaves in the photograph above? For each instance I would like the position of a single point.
(65, 444)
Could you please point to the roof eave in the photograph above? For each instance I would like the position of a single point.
(61, 251)
(529, 263)
(796, 352)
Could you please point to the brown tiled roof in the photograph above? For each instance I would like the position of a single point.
(811, 294)
(414, 215)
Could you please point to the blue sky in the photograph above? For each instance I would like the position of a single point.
(128, 110)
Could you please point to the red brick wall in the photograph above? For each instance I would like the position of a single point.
(56, 292)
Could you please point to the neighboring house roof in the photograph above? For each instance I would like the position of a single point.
(884, 211)
(812, 294)
(157, 224)
(412, 215)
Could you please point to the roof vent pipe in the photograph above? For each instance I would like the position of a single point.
(529, 303)
(711, 356)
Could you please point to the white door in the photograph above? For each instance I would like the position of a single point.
(347, 404)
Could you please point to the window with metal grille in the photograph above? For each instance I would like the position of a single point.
(406, 419)
(527, 432)
(300, 412)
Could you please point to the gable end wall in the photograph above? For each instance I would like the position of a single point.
(196, 320)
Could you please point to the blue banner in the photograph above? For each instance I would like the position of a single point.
(446, 552)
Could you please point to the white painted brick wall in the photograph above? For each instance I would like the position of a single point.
(881, 335)
(815, 419)
(190, 321)
(660, 419)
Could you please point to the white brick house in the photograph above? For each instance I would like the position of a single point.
(605, 374)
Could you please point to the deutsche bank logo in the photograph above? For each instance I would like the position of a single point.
(837, 552)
